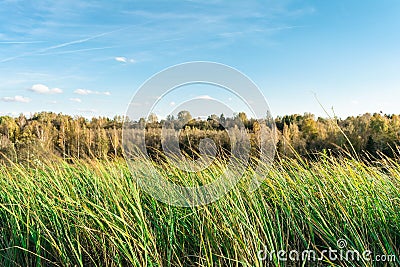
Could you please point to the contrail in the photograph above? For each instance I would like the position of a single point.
(64, 44)
(76, 51)
(81, 40)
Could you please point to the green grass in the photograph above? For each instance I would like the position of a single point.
(94, 214)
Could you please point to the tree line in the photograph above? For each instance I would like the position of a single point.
(47, 133)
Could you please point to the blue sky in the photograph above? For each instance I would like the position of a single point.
(89, 57)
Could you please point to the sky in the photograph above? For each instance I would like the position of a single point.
(90, 57)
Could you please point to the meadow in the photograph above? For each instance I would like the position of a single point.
(92, 213)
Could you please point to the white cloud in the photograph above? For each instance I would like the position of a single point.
(121, 59)
(77, 100)
(82, 91)
(43, 89)
(125, 60)
(17, 113)
(90, 92)
(16, 98)
(172, 103)
(56, 91)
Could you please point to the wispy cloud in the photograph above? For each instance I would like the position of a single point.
(301, 11)
(43, 89)
(20, 42)
(86, 110)
(77, 100)
(90, 92)
(156, 15)
(257, 30)
(16, 98)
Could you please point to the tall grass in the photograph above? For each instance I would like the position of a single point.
(93, 214)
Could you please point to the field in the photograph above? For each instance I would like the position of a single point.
(92, 213)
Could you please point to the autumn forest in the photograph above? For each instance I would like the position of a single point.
(26, 138)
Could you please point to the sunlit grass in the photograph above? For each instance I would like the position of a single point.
(93, 214)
